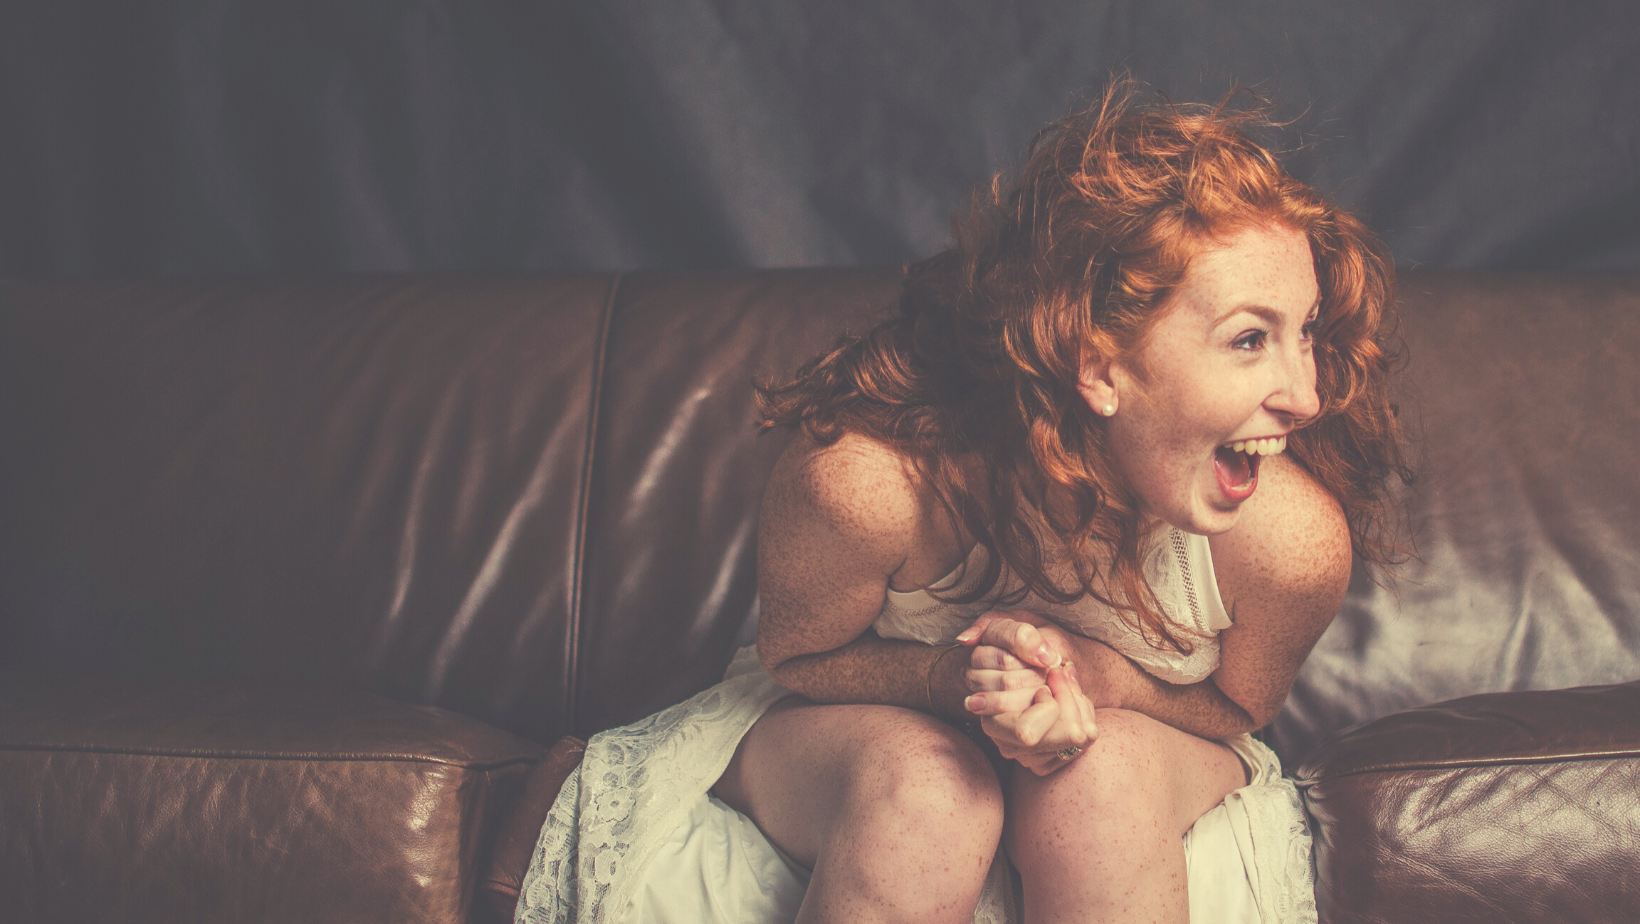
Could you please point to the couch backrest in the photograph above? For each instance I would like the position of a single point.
(533, 499)
(530, 499)
(1522, 396)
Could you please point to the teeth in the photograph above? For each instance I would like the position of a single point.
(1270, 446)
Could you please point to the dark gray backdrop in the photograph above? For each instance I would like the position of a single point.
(142, 137)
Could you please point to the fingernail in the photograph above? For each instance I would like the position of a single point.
(967, 634)
(1045, 655)
(1071, 669)
(974, 703)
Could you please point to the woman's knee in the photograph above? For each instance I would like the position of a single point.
(1122, 773)
(1139, 771)
(919, 773)
(1127, 749)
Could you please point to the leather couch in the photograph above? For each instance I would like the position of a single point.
(308, 587)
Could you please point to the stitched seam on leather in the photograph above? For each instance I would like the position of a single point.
(213, 754)
(572, 631)
(1477, 764)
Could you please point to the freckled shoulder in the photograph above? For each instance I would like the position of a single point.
(1290, 538)
(836, 523)
(855, 490)
(1282, 571)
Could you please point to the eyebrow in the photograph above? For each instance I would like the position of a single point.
(1267, 314)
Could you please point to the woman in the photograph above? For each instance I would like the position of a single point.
(1097, 486)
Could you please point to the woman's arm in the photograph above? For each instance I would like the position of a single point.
(1282, 571)
(837, 523)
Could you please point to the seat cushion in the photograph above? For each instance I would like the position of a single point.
(215, 802)
(1497, 808)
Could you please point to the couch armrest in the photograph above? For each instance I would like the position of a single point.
(1496, 808)
(498, 890)
(225, 802)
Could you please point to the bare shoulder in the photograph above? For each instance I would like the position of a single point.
(856, 490)
(837, 523)
(1282, 570)
(1290, 538)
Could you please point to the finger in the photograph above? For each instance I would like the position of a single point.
(1000, 702)
(1090, 719)
(1071, 726)
(1041, 763)
(1043, 767)
(980, 681)
(1035, 722)
(993, 658)
(1021, 640)
(1020, 730)
(971, 634)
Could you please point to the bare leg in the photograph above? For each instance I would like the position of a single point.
(1099, 841)
(897, 813)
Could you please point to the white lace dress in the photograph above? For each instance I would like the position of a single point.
(635, 838)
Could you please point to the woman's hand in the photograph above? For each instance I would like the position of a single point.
(1026, 690)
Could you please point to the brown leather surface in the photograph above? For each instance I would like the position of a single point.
(1503, 807)
(518, 832)
(367, 481)
(385, 483)
(222, 803)
(671, 579)
(532, 500)
(1522, 396)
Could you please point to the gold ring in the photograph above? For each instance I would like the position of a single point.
(1069, 753)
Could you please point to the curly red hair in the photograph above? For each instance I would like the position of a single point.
(982, 359)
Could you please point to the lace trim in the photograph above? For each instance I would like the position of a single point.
(613, 813)
(1279, 856)
(1181, 554)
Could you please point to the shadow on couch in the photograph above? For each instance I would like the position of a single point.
(302, 578)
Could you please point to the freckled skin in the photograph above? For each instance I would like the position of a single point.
(1229, 359)
(899, 814)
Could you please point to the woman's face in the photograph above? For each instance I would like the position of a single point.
(1228, 361)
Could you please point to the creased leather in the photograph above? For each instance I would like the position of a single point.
(671, 581)
(370, 481)
(1521, 395)
(377, 483)
(1503, 807)
(521, 829)
(224, 802)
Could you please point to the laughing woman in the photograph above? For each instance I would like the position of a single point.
(1092, 494)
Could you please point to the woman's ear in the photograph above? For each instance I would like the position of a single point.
(1096, 380)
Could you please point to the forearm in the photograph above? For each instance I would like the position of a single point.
(876, 670)
(1201, 709)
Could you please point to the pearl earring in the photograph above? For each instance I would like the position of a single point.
(1108, 410)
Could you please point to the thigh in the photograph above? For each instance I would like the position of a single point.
(1101, 838)
(799, 769)
(1137, 766)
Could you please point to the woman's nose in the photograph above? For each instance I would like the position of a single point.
(1296, 395)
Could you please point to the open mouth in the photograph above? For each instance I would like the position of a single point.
(1236, 464)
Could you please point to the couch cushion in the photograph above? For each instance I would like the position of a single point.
(678, 471)
(1521, 397)
(221, 803)
(1496, 808)
(515, 841)
(375, 482)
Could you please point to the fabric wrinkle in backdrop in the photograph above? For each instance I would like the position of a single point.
(149, 138)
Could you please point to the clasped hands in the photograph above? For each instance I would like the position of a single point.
(1026, 691)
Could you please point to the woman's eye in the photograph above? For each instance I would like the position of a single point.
(1307, 332)
(1251, 340)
